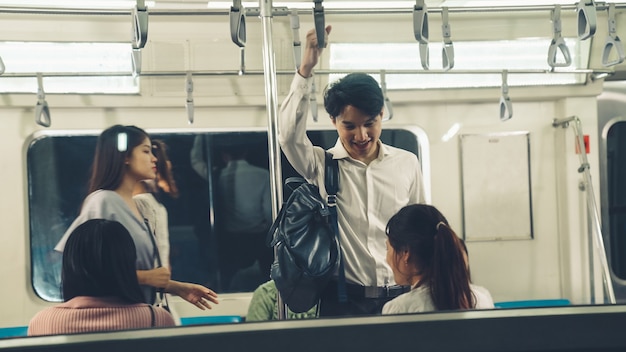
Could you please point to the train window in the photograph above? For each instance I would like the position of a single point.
(58, 168)
(65, 62)
(616, 172)
(520, 54)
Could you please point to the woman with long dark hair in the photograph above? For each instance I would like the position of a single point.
(149, 194)
(100, 286)
(425, 253)
(122, 159)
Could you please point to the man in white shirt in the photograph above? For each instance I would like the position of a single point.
(375, 180)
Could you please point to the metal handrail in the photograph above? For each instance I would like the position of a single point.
(317, 72)
(284, 11)
(271, 103)
(592, 207)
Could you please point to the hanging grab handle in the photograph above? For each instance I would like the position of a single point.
(238, 23)
(447, 52)
(387, 107)
(420, 21)
(313, 101)
(506, 107)
(558, 43)
(294, 20)
(189, 102)
(587, 19)
(140, 25)
(420, 30)
(612, 42)
(2, 67)
(136, 56)
(320, 23)
(42, 112)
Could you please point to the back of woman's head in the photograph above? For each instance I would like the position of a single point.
(114, 145)
(357, 89)
(99, 260)
(164, 166)
(436, 252)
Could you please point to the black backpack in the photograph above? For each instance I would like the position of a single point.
(305, 237)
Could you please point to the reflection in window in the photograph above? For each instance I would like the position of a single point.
(616, 174)
(59, 169)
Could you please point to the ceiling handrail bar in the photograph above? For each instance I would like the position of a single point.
(317, 72)
(253, 12)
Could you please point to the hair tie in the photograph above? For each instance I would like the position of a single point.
(440, 223)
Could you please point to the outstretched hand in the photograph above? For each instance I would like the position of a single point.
(195, 294)
(312, 52)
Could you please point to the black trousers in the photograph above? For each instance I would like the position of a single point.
(356, 304)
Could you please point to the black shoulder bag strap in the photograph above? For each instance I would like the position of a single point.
(157, 256)
(331, 182)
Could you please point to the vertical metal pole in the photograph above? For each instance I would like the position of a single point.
(271, 94)
(590, 246)
(593, 209)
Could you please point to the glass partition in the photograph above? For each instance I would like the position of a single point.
(58, 168)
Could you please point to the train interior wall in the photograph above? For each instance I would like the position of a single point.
(553, 264)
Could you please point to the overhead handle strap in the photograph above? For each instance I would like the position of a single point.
(320, 23)
(242, 61)
(189, 102)
(558, 43)
(238, 23)
(294, 20)
(136, 56)
(313, 101)
(42, 112)
(387, 107)
(506, 108)
(140, 25)
(587, 19)
(447, 52)
(420, 30)
(2, 67)
(612, 42)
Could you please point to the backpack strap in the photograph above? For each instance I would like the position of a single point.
(292, 183)
(331, 182)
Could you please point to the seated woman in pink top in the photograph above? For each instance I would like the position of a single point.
(100, 285)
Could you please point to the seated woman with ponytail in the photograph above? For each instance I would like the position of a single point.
(425, 253)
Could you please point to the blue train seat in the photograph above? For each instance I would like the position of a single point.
(215, 319)
(533, 303)
(14, 331)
